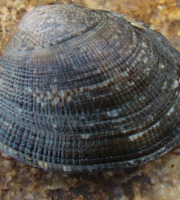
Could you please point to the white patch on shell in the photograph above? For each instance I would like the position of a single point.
(19, 110)
(161, 66)
(83, 50)
(10, 150)
(62, 94)
(55, 125)
(85, 136)
(175, 84)
(55, 101)
(55, 80)
(141, 53)
(43, 104)
(147, 70)
(164, 85)
(29, 90)
(138, 58)
(82, 89)
(170, 111)
(118, 31)
(145, 60)
(142, 98)
(141, 134)
(38, 100)
(66, 168)
(113, 113)
(124, 74)
(43, 164)
(136, 136)
(117, 88)
(131, 83)
(6, 124)
(131, 162)
(102, 84)
(69, 99)
(144, 44)
(159, 38)
(115, 37)
(49, 95)
(156, 125)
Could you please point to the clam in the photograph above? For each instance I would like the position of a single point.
(88, 90)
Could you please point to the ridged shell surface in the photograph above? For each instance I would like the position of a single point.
(88, 90)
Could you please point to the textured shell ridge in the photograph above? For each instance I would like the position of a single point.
(88, 90)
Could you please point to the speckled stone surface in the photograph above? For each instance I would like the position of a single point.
(159, 180)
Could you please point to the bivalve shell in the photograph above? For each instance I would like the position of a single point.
(88, 90)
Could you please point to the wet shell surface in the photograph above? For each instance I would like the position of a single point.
(88, 90)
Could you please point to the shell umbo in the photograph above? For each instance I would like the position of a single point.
(88, 90)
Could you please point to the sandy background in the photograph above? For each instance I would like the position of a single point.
(159, 180)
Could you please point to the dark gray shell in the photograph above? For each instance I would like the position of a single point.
(88, 90)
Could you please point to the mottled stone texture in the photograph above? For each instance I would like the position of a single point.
(157, 180)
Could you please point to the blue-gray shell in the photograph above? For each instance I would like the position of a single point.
(88, 90)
